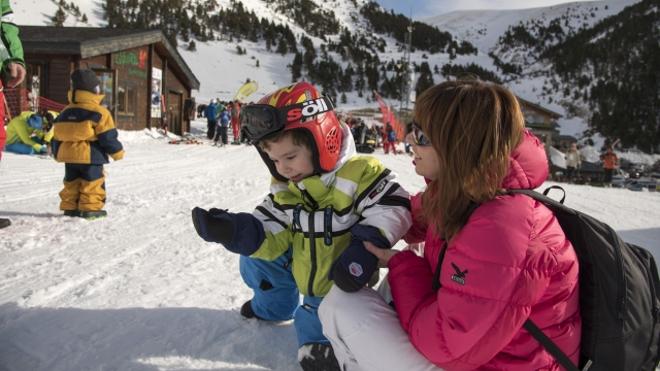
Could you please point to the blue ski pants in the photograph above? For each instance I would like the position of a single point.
(276, 297)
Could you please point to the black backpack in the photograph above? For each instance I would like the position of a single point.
(619, 295)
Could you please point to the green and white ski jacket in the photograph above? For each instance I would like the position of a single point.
(314, 216)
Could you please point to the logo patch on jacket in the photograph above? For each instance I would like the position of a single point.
(379, 188)
(459, 276)
(355, 269)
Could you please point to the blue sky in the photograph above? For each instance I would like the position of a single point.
(429, 8)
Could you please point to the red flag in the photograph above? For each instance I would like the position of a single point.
(389, 117)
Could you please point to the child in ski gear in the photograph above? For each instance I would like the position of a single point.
(12, 65)
(85, 135)
(324, 202)
(26, 134)
(490, 261)
(221, 129)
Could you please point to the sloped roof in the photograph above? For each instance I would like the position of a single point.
(92, 41)
(538, 107)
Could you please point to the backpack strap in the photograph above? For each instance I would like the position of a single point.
(551, 347)
(436, 275)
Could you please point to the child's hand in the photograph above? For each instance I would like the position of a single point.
(383, 255)
(354, 267)
(214, 225)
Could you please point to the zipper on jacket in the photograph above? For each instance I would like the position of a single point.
(327, 227)
(312, 252)
(297, 227)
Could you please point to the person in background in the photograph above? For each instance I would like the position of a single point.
(26, 134)
(309, 231)
(221, 129)
(12, 68)
(389, 139)
(235, 121)
(573, 162)
(212, 115)
(610, 163)
(85, 136)
(491, 260)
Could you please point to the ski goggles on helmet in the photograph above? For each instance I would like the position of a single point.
(261, 120)
(418, 136)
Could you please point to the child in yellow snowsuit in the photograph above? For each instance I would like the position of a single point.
(85, 135)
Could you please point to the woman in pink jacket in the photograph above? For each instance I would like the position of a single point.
(504, 261)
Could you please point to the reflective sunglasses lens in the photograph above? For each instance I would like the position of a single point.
(420, 138)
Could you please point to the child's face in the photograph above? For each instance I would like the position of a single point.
(292, 161)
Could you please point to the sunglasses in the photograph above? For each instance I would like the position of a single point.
(261, 120)
(418, 136)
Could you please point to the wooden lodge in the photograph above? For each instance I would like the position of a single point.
(145, 80)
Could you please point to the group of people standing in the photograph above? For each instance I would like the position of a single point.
(219, 115)
(609, 162)
(490, 260)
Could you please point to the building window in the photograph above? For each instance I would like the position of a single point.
(127, 98)
(121, 99)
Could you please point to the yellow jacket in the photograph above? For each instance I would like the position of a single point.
(19, 131)
(85, 132)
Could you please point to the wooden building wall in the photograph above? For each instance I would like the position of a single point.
(176, 95)
(131, 74)
(132, 67)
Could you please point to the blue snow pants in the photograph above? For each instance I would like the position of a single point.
(20, 148)
(276, 297)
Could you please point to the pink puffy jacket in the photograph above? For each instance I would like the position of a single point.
(510, 262)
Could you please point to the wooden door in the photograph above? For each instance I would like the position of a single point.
(175, 112)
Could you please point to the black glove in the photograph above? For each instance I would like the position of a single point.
(215, 225)
(354, 267)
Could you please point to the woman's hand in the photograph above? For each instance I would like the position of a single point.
(383, 255)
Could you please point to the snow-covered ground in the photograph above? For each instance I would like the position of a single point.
(139, 290)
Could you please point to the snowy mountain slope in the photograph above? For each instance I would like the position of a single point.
(139, 290)
(222, 70)
(484, 27)
(39, 13)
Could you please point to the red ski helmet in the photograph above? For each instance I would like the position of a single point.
(297, 107)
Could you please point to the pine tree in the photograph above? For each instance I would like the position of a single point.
(425, 80)
(59, 17)
(282, 47)
(296, 67)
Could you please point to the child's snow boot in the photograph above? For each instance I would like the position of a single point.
(72, 213)
(247, 312)
(4, 223)
(90, 215)
(317, 357)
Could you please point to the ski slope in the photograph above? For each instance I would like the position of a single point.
(139, 290)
